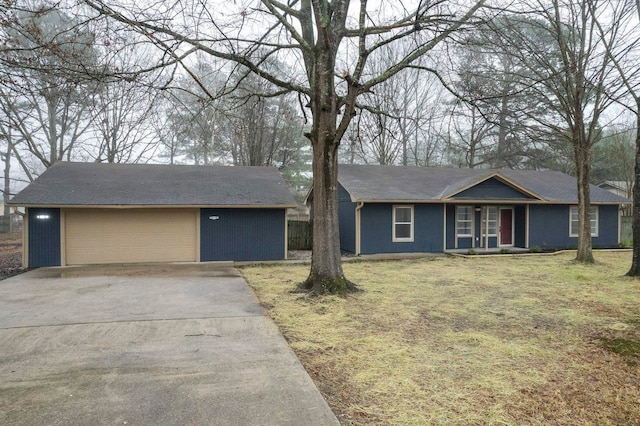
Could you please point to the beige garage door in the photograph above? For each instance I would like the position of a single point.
(130, 236)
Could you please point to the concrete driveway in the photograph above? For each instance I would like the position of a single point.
(162, 345)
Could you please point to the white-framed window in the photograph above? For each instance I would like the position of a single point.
(574, 222)
(490, 227)
(402, 223)
(464, 221)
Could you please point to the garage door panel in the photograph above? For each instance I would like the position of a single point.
(130, 236)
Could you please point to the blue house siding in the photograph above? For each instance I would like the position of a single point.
(451, 226)
(347, 213)
(549, 227)
(242, 234)
(491, 189)
(376, 229)
(520, 226)
(608, 232)
(465, 242)
(44, 237)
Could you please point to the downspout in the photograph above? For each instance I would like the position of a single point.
(359, 206)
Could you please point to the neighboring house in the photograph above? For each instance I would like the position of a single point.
(621, 188)
(91, 213)
(392, 209)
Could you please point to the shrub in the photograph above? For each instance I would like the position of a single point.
(535, 249)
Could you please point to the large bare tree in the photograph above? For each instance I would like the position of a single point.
(625, 57)
(574, 79)
(329, 43)
(47, 61)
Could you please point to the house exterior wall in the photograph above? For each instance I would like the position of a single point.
(347, 217)
(549, 227)
(242, 234)
(43, 237)
(491, 189)
(377, 229)
(237, 235)
(608, 227)
(451, 226)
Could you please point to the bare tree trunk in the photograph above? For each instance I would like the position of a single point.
(7, 180)
(326, 275)
(499, 161)
(583, 166)
(635, 263)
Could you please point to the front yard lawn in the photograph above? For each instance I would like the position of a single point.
(531, 340)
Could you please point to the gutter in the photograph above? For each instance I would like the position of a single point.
(359, 206)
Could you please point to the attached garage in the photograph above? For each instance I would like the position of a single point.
(88, 213)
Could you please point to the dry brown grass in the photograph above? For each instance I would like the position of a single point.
(488, 340)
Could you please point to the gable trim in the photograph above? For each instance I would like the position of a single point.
(500, 178)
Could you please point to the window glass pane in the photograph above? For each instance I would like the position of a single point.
(493, 213)
(575, 221)
(464, 220)
(464, 229)
(403, 230)
(403, 223)
(464, 213)
(403, 215)
(492, 220)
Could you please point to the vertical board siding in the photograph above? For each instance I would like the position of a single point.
(44, 237)
(492, 189)
(242, 234)
(347, 217)
(549, 227)
(377, 223)
(608, 235)
(477, 227)
(451, 226)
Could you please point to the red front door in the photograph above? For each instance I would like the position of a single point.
(506, 228)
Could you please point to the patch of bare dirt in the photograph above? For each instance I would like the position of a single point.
(10, 255)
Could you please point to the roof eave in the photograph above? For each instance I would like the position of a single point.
(480, 201)
(152, 206)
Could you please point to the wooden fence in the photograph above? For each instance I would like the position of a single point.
(626, 231)
(11, 223)
(300, 235)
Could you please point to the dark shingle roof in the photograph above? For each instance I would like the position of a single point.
(87, 184)
(397, 183)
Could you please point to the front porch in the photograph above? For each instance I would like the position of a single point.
(488, 228)
(493, 250)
